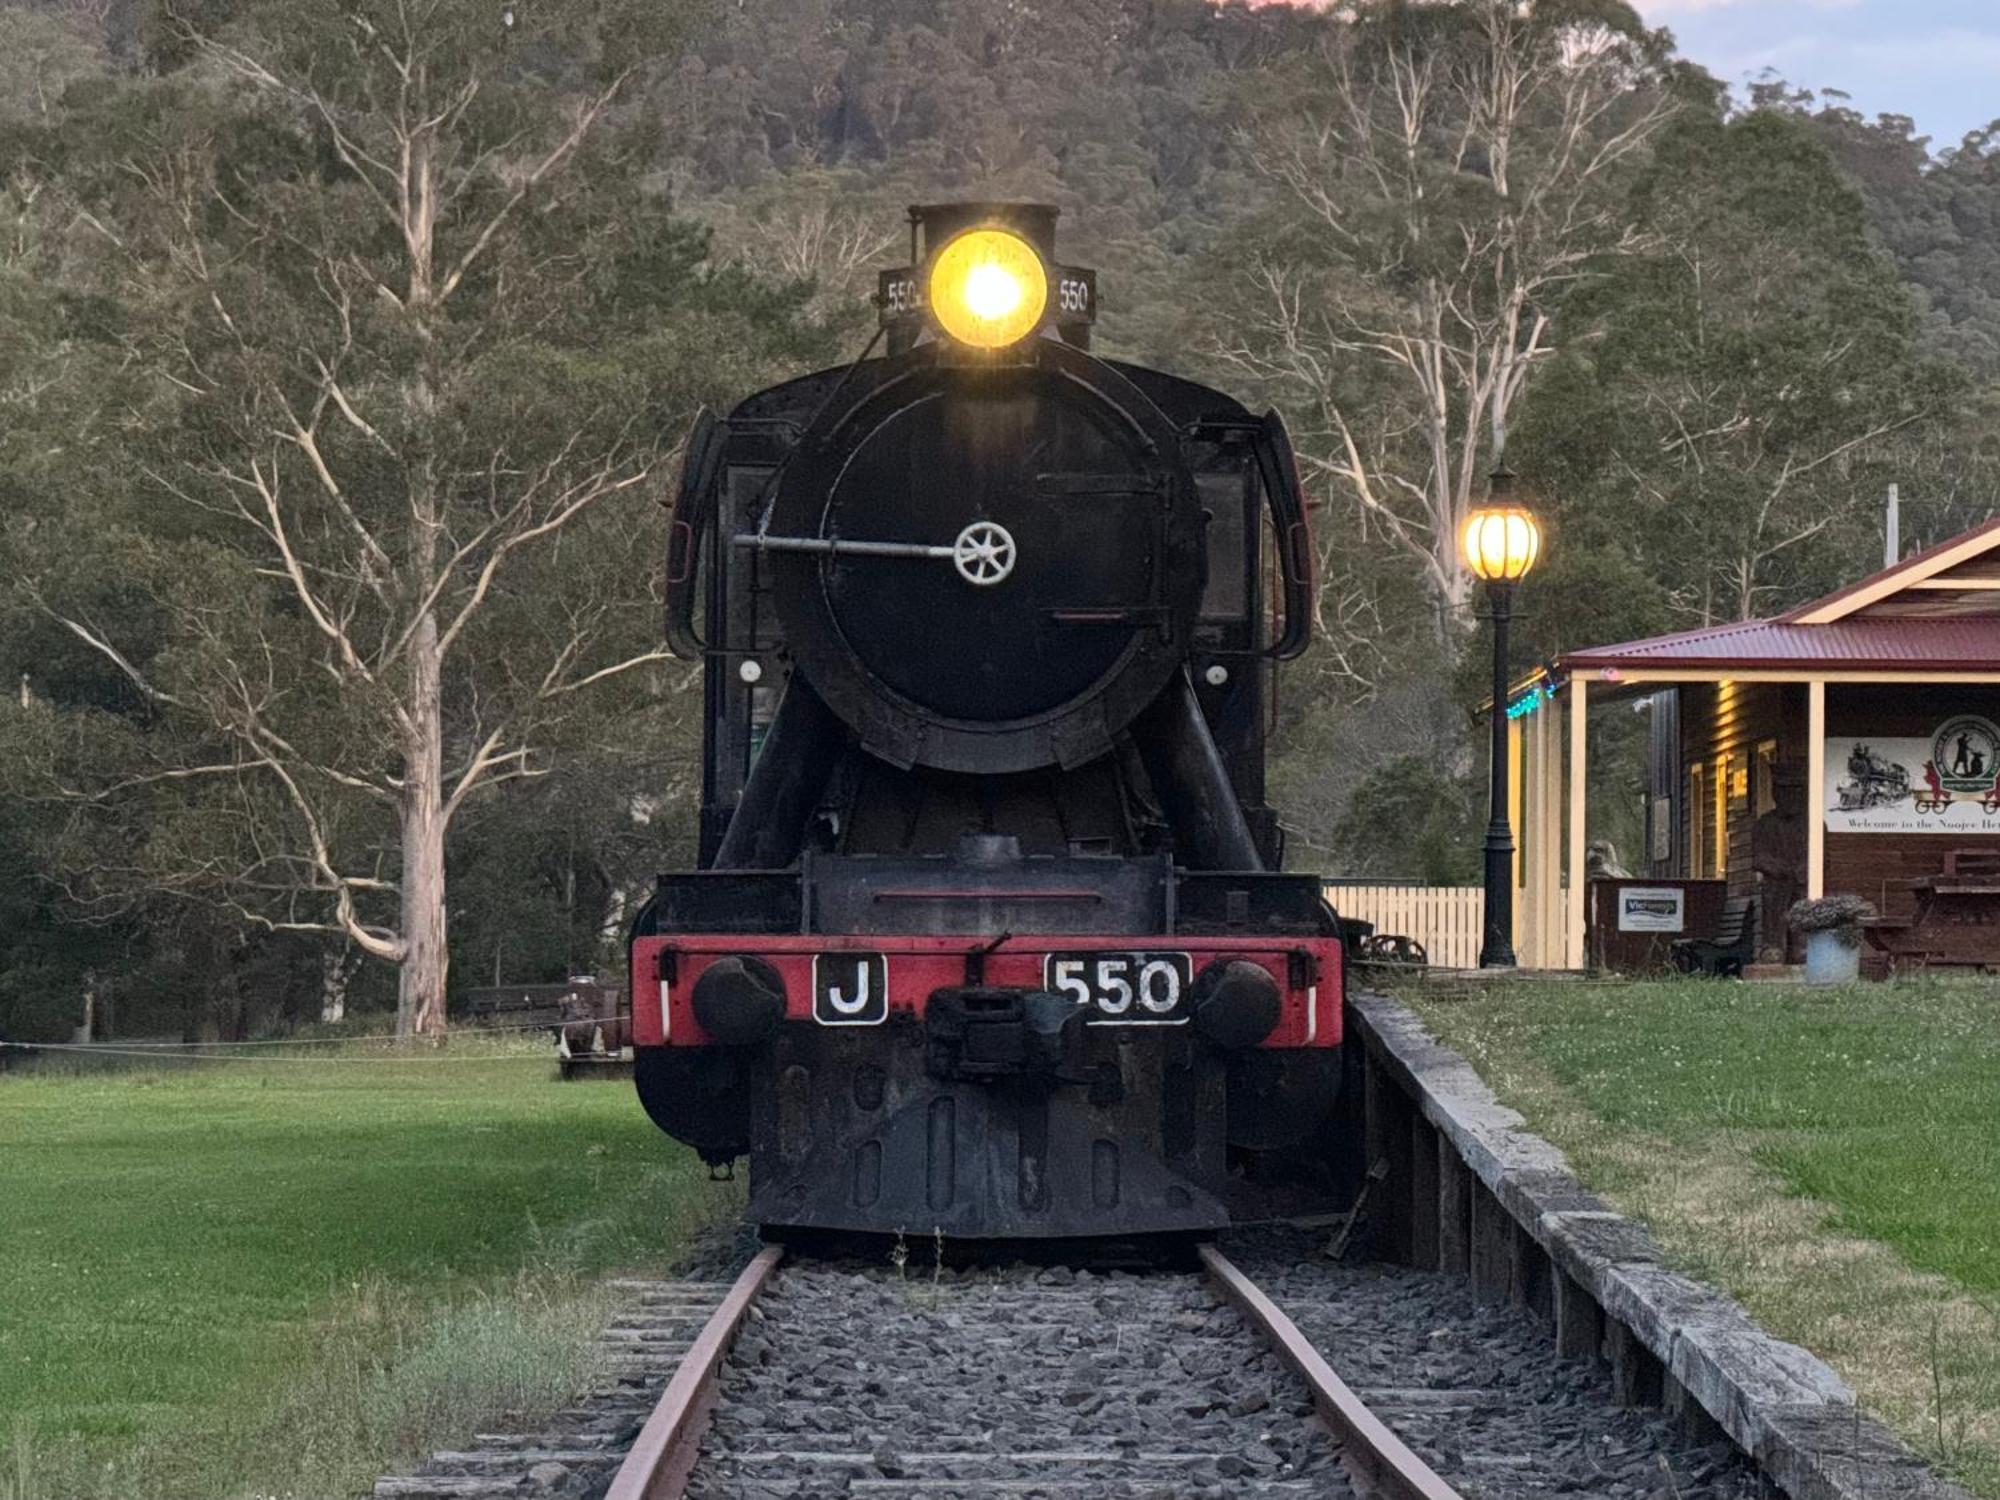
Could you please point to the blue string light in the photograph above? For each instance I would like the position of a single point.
(1528, 702)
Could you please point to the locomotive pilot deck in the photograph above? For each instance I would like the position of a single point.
(987, 1045)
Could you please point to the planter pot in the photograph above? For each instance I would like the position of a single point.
(1831, 961)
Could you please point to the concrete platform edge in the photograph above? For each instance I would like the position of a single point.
(1669, 1339)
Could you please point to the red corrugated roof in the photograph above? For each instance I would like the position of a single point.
(1913, 565)
(1853, 640)
(1963, 645)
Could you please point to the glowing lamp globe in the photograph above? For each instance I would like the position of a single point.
(1500, 542)
(988, 289)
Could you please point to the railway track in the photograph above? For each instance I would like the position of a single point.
(1020, 1382)
(800, 1380)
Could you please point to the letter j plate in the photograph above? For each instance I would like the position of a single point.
(850, 989)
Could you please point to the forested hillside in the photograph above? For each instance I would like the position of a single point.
(275, 397)
(1936, 205)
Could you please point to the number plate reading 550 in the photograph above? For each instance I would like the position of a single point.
(1123, 987)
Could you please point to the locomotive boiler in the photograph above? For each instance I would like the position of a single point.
(988, 936)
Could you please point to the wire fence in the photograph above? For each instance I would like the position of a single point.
(155, 1054)
(327, 1049)
(331, 1039)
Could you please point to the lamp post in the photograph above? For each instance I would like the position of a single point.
(1500, 541)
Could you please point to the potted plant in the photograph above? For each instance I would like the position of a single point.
(1832, 928)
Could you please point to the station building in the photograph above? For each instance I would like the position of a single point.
(1851, 745)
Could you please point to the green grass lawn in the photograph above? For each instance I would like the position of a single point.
(1832, 1157)
(270, 1279)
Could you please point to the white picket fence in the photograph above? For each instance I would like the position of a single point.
(1449, 920)
(1446, 919)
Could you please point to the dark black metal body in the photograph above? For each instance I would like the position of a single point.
(1109, 1139)
(894, 750)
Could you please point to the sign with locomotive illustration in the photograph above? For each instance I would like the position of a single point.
(1947, 783)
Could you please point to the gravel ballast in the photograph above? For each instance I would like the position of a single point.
(573, 1454)
(850, 1379)
(1476, 1390)
(1021, 1381)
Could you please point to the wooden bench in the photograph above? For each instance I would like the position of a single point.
(1967, 872)
(1733, 945)
(1957, 919)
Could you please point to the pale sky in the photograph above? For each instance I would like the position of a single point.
(1937, 61)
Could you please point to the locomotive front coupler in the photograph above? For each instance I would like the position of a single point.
(975, 1033)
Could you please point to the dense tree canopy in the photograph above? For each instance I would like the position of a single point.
(314, 317)
(399, 342)
(1749, 373)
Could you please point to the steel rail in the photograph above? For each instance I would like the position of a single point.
(1383, 1459)
(663, 1454)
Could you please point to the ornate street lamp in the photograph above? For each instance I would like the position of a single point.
(1500, 541)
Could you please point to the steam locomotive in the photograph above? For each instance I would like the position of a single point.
(987, 938)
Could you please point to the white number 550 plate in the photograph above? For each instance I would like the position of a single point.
(1130, 988)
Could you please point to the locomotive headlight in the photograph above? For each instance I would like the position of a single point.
(988, 288)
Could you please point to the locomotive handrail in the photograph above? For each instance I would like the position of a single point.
(1278, 473)
(835, 546)
(1279, 466)
(983, 552)
(693, 515)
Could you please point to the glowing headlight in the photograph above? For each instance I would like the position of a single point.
(988, 289)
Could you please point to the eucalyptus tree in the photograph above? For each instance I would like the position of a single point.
(410, 333)
(1749, 384)
(1445, 175)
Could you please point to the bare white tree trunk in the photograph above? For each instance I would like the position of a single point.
(421, 980)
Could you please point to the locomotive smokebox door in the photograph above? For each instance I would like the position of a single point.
(1030, 527)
